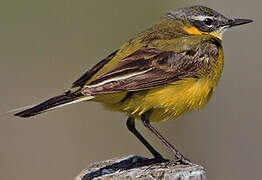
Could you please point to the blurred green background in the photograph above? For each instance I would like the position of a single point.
(46, 45)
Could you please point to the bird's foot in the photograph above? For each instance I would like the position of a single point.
(182, 161)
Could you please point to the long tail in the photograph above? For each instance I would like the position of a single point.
(53, 103)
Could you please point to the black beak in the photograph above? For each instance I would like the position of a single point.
(237, 22)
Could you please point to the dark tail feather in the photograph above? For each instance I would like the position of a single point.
(58, 101)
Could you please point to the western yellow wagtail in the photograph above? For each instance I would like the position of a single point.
(165, 71)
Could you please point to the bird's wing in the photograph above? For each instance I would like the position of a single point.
(149, 68)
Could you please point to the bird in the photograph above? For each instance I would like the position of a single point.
(162, 73)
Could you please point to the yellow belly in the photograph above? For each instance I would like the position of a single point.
(166, 102)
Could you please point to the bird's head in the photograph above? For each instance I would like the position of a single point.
(200, 19)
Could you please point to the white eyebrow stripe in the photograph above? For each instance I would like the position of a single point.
(201, 17)
(118, 78)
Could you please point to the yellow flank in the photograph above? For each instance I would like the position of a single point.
(192, 30)
(112, 99)
(179, 97)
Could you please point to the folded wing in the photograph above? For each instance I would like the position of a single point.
(148, 68)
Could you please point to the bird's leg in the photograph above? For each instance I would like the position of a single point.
(179, 158)
(130, 123)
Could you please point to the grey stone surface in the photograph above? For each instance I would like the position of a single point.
(117, 169)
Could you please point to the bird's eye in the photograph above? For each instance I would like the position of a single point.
(208, 21)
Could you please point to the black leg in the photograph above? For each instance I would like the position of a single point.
(130, 123)
(178, 156)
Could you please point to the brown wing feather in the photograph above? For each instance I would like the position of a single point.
(149, 68)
